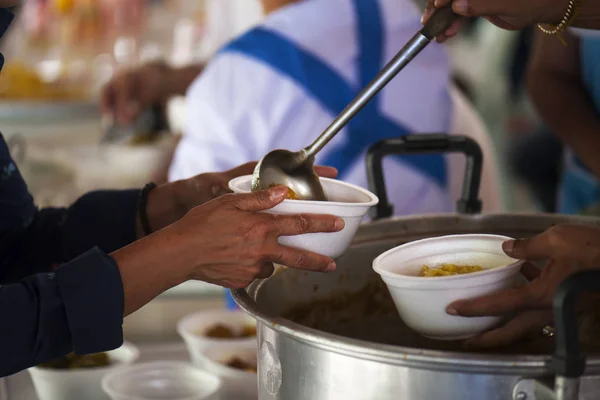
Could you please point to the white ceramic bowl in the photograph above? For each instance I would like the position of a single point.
(192, 327)
(237, 384)
(54, 384)
(347, 201)
(161, 380)
(422, 301)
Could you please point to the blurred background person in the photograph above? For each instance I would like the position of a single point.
(534, 152)
(564, 83)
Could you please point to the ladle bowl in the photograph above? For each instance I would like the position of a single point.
(291, 169)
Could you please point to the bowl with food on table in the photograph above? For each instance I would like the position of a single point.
(218, 329)
(236, 365)
(425, 276)
(347, 201)
(80, 376)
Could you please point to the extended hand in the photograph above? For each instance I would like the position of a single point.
(568, 249)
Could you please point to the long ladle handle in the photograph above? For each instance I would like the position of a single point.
(441, 20)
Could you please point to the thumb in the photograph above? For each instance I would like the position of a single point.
(244, 169)
(532, 249)
(262, 200)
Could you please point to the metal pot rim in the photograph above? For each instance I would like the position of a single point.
(413, 357)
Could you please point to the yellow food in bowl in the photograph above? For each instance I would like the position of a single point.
(64, 6)
(19, 82)
(449, 269)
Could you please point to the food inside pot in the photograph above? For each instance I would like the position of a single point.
(221, 331)
(449, 269)
(369, 314)
(73, 361)
(238, 363)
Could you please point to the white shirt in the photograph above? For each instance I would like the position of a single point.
(239, 108)
(226, 19)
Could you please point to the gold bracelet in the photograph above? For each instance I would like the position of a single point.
(568, 19)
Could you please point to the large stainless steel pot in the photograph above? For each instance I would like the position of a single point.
(349, 343)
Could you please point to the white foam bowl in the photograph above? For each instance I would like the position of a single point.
(161, 380)
(192, 326)
(347, 201)
(237, 384)
(56, 384)
(422, 301)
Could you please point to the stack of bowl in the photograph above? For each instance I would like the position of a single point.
(161, 381)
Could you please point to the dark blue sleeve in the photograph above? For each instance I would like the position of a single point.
(106, 219)
(77, 308)
(33, 240)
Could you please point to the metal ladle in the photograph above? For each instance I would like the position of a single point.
(295, 169)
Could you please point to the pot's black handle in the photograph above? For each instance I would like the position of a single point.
(568, 360)
(469, 202)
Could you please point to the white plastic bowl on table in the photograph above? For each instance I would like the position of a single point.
(237, 384)
(347, 201)
(422, 301)
(56, 384)
(167, 380)
(192, 329)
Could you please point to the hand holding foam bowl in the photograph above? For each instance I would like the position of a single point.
(422, 300)
(346, 201)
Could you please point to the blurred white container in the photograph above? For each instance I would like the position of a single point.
(55, 384)
(161, 381)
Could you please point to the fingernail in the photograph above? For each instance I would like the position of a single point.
(331, 266)
(426, 15)
(508, 246)
(278, 192)
(461, 6)
(451, 310)
(339, 224)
